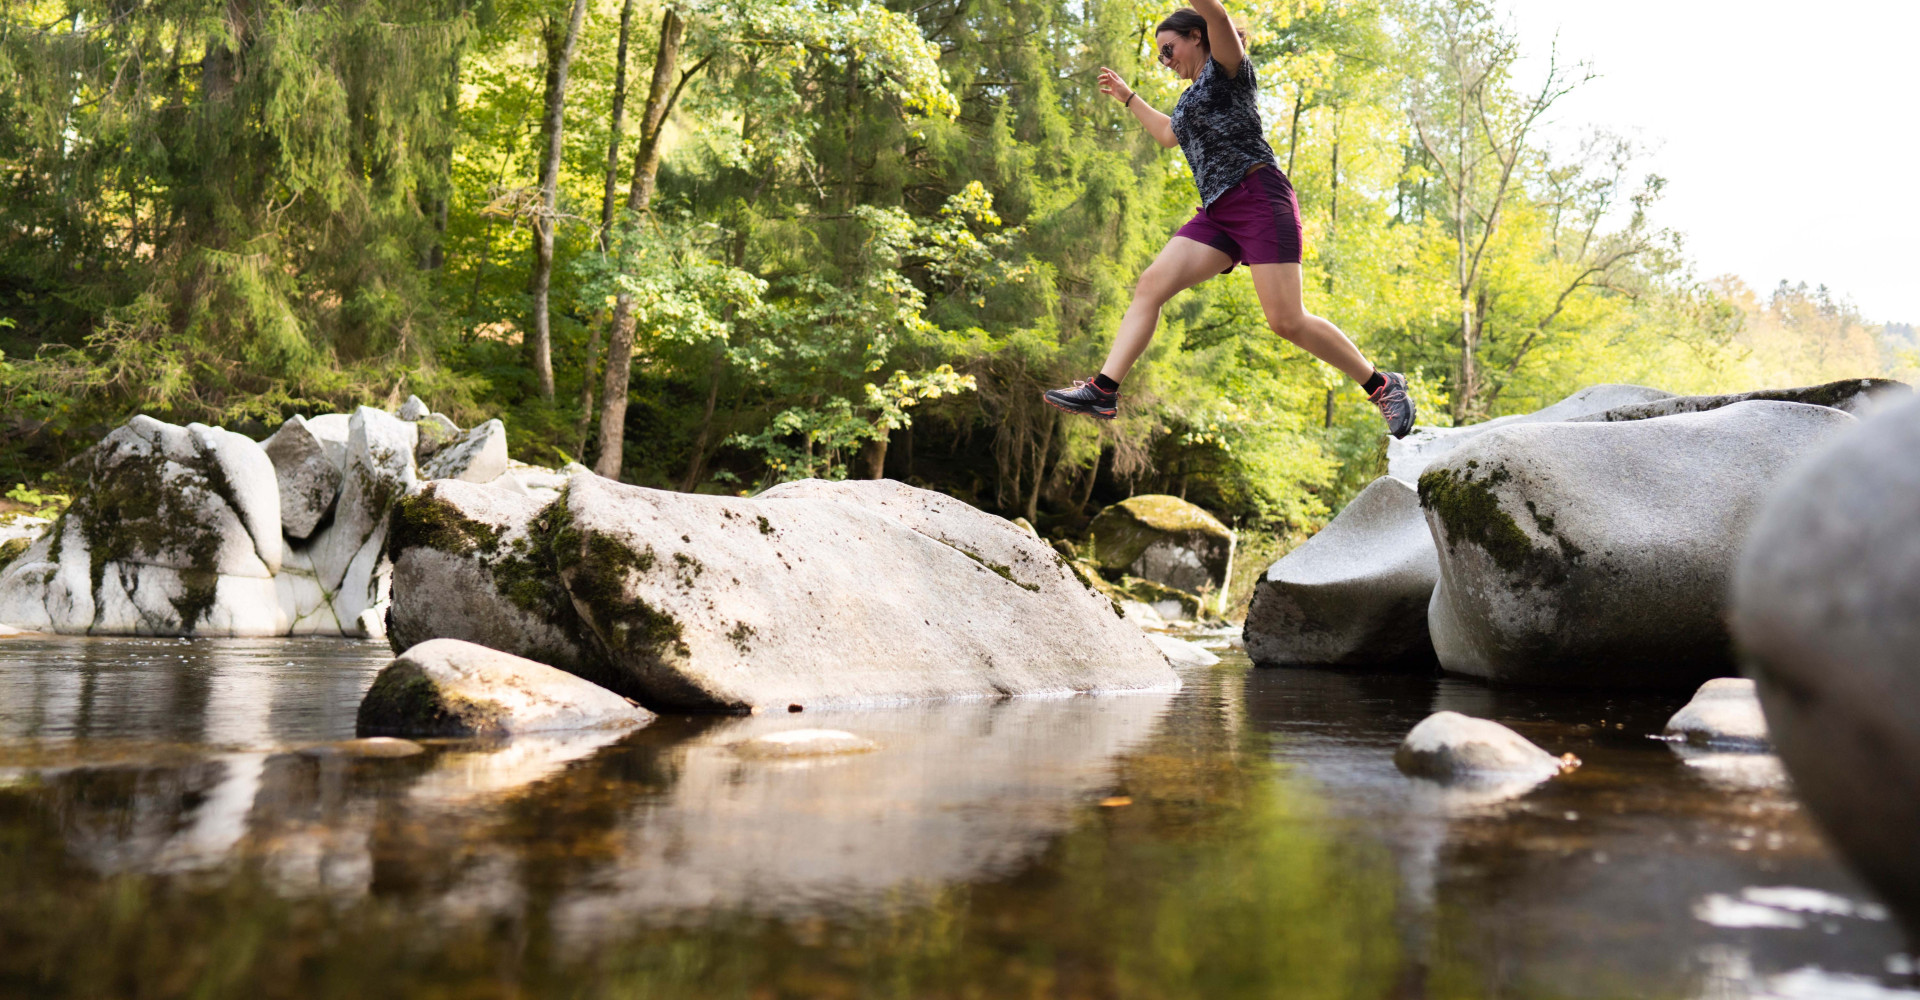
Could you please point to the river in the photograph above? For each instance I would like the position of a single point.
(177, 818)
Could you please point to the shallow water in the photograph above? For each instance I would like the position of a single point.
(173, 822)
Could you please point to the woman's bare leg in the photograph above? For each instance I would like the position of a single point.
(1183, 264)
(1278, 286)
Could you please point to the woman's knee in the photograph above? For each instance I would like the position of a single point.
(1288, 327)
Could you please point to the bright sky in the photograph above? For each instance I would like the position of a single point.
(1789, 133)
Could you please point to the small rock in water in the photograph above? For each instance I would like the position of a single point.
(804, 743)
(372, 746)
(1182, 653)
(1725, 712)
(1448, 747)
(448, 687)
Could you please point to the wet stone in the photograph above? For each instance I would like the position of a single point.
(1449, 747)
(369, 747)
(1725, 712)
(447, 687)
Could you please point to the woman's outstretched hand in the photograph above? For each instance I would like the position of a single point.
(1112, 86)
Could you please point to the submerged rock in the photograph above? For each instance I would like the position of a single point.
(1165, 540)
(1599, 553)
(446, 687)
(1450, 747)
(1725, 712)
(792, 743)
(1408, 457)
(1182, 653)
(1826, 611)
(1356, 593)
(812, 593)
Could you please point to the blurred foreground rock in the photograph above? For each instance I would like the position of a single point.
(1826, 611)
(811, 593)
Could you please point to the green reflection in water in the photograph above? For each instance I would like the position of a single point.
(1225, 877)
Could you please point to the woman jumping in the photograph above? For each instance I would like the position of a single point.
(1248, 214)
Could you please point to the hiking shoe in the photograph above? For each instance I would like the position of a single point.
(1394, 404)
(1085, 397)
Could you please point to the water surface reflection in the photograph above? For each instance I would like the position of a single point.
(173, 824)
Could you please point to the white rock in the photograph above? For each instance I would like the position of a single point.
(412, 409)
(1826, 610)
(466, 569)
(308, 476)
(451, 688)
(1448, 746)
(332, 431)
(1408, 457)
(437, 430)
(252, 487)
(1854, 395)
(813, 593)
(478, 457)
(1600, 553)
(379, 471)
(1182, 653)
(1166, 540)
(1356, 593)
(1724, 712)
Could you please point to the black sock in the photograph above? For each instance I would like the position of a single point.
(1105, 384)
(1374, 382)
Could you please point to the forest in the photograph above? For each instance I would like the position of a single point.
(719, 244)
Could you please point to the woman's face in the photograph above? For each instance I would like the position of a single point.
(1182, 53)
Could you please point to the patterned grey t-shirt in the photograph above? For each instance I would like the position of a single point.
(1218, 124)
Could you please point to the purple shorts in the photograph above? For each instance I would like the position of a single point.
(1256, 222)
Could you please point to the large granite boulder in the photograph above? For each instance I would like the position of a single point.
(475, 563)
(812, 593)
(176, 530)
(1826, 611)
(1165, 540)
(446, 687)
(347, 558)
(1356, 593)
(1408, 457)
(1600, 553)
(1854, 395)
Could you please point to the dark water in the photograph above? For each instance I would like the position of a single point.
(171, 824)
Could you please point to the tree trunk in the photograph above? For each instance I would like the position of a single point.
(646, 165)
(697, 462)
(1039, 470)
(873, 455)
(560, 46)
(615, 127)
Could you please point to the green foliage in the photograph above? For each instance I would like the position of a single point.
(879, 231)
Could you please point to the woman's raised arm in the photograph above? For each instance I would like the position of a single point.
(1157, 125)
(1222, 38)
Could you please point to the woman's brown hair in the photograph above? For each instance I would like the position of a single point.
(1186, 21)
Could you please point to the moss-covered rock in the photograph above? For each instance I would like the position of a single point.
(1599, 553)
(1164, 539)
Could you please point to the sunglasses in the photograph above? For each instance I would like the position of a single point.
(1166, 53)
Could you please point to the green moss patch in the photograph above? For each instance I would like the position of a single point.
(12, 549)
(1004, 572)
(424, 519)
(404, 701)
(1470, 511)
